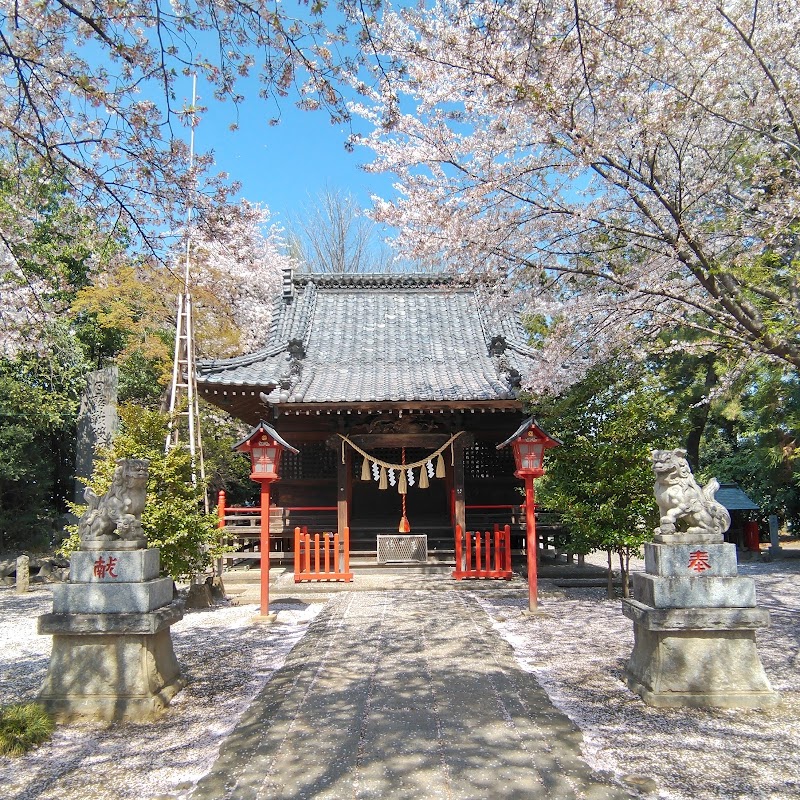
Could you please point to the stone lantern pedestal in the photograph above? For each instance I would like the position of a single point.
(112, 656)
(695, 621)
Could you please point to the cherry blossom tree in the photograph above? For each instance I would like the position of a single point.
(631, 165)
(236, 280)
(48, 249)
(233, 282)
(91, 104)
(91, 88)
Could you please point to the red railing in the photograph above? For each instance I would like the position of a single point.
(319, 557)
(252, 514)
(224, 511)
(483, 555)
(240, 526)
(471, 507)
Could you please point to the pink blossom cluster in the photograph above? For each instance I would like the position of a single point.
(243, 268)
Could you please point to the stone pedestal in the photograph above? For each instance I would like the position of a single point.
(695, 622)
(112, 655)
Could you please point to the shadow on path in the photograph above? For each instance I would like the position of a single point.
(403, 695)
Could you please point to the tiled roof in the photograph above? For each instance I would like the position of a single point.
(734, 499)
(382, 338)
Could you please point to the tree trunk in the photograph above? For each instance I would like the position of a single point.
(698, 415)
(610, 593)
(624, 563)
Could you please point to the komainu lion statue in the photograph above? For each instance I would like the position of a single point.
(685, 507)
(117, 515)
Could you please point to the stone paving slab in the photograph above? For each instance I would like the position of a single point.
(403, 696)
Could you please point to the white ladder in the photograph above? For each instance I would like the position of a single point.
(184, 411)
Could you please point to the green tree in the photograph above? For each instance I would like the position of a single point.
(739, 420)
(752, 439)
(226, 470)
(49, 252)
(173, 519)
(125, 316)
(39, 398)
(600, 479)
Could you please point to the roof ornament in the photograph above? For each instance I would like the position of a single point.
(288, 284)
(296, 348)
(497, 350)
(297, 352)
(514, 377)
(274, 397)
(498, 345)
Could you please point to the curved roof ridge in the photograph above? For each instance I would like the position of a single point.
(522, 348)
(277, 320)
(304, 306)
(389, 280)
(499, 319)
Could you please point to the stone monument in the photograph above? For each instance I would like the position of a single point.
(694, 618)
(112, 656)
(97, 422)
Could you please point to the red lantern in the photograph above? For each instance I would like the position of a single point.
(265, 447)
(265, 457)
(529, 444)
(529, 454)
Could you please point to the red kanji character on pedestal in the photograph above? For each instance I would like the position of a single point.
(103, 567)
(698, 561)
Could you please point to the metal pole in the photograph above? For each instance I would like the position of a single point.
(265, 548)
(531, 544)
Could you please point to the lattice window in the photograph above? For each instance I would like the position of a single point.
(484, 460)
(315, 460)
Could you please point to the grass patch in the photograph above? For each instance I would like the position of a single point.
(23, 726)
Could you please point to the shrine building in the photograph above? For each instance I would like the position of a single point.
(395, 389)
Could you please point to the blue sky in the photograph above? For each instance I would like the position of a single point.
(284, 166)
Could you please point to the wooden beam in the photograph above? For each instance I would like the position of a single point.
(386, 407)
(370, 441)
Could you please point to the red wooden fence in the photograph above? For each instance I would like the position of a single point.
(319, 557)
(483, 555)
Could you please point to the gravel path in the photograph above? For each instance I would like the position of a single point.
(576, 652)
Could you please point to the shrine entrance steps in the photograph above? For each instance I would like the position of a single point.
(242, 586)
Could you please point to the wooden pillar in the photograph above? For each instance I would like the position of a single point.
(459, 445)
(450, 494)
(265, 487)
(344, 478)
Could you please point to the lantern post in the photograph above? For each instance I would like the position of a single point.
(265, 447)
(529, 443)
